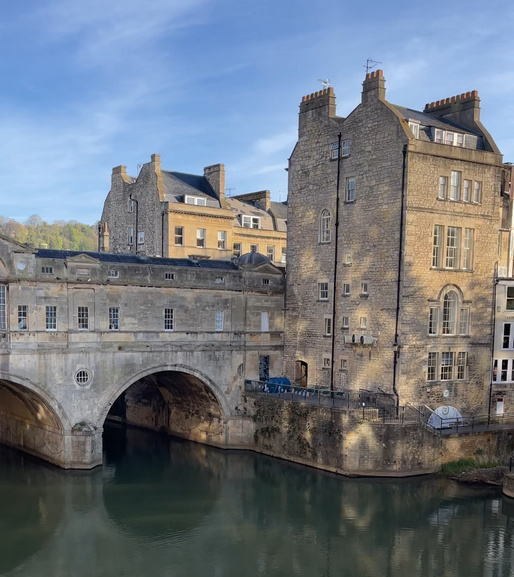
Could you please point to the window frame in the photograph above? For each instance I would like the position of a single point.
(323, 291)
(169, 320)
(237, 252)
(179, 236)
(327, 326)
(114, 318)
(325, 230)
(222, 240)
(350, 189)
(201, 234)
(219, 321)
(50, 318)
(248, 221)
(23, 318)
(83, 318)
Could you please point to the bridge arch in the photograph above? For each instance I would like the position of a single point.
(178, 368)
(172, 398)
(32, 420)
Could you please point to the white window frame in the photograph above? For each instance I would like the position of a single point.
(334, 151)
(219, 320)
(453, 240)
(3, 307)
(169, 320)
(141, 237)
(23, 317)
(327, 326)
(432, 364)
(270, 252)
(113, 273)
(200, 237)
(222, 239)
(450, 310)
(327, 362)
(467, 249)
(196, 200)
(169, 276)
(350, 189)
(323, 291)
(364, 288)
(179, 236)
(264, 321)
(51, 318)
(114, 318)
(433, 320)
(284, 255)
(509, 298)
(83, 318)
(254, 248)
(345, 322)
(237, 251)
(130, 237)
(363, 322)
(477, 192)
(455, 180)
(466, 191)
(325, 232)
(249, 221)
(443, 188)
(47, 270)
(346, 289)
(414, 126)
(345, 147)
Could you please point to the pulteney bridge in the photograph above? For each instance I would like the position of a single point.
(164, 344)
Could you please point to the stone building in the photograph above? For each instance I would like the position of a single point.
(176, 215)
(393, 247)
(166, 343)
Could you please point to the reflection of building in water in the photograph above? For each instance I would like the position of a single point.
(191, 510)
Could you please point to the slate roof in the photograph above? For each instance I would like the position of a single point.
(136, 259)
(177, 184)
(430, 120)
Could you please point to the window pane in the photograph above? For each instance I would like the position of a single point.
(22, 317)
(168, 319)
(325, 232)
(446, 366)
(437, 248)
(449, 313)
(83, 318)
(452, 247)
(3, 308)
(433, 320)
(114, 318)
(51, 318)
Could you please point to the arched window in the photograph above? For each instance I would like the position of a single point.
(324, 226)
(449, 313)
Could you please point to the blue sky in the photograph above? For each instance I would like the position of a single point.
(91, 84)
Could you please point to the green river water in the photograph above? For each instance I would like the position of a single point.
(166, 508)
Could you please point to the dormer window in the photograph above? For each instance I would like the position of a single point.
(449, 137)
(198, 200)
(251, 221)
(414, 126)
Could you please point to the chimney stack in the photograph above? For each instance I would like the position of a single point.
(215, 175)
(373, 87)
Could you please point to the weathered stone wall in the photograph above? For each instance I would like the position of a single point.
(346, 443)
(369, 254)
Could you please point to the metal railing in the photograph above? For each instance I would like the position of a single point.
(446, 426)
(371, 405)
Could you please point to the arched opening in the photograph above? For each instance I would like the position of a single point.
(174, 402)
(301, 373)
(30, 423)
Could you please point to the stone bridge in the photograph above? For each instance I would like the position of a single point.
(164, 344)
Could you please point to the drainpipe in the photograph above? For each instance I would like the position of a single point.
(398, 283)
(137, 219)
(334, 290)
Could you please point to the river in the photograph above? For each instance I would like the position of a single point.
(160, 507)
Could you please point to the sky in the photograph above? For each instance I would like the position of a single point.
(88, 85)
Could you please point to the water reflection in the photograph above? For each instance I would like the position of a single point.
(170, 508)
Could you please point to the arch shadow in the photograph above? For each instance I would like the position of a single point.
(204, 379)
(7, 380)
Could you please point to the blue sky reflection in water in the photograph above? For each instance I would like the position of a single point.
(168, 508)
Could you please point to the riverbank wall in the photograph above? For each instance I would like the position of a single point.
(345, 442)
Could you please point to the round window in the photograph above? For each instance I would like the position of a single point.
(82, 377)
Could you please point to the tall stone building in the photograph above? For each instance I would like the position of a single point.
(394, 217)
(177, 215)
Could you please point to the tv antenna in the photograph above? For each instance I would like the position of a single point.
(325, 83)
(370, 64)
(229, 191)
